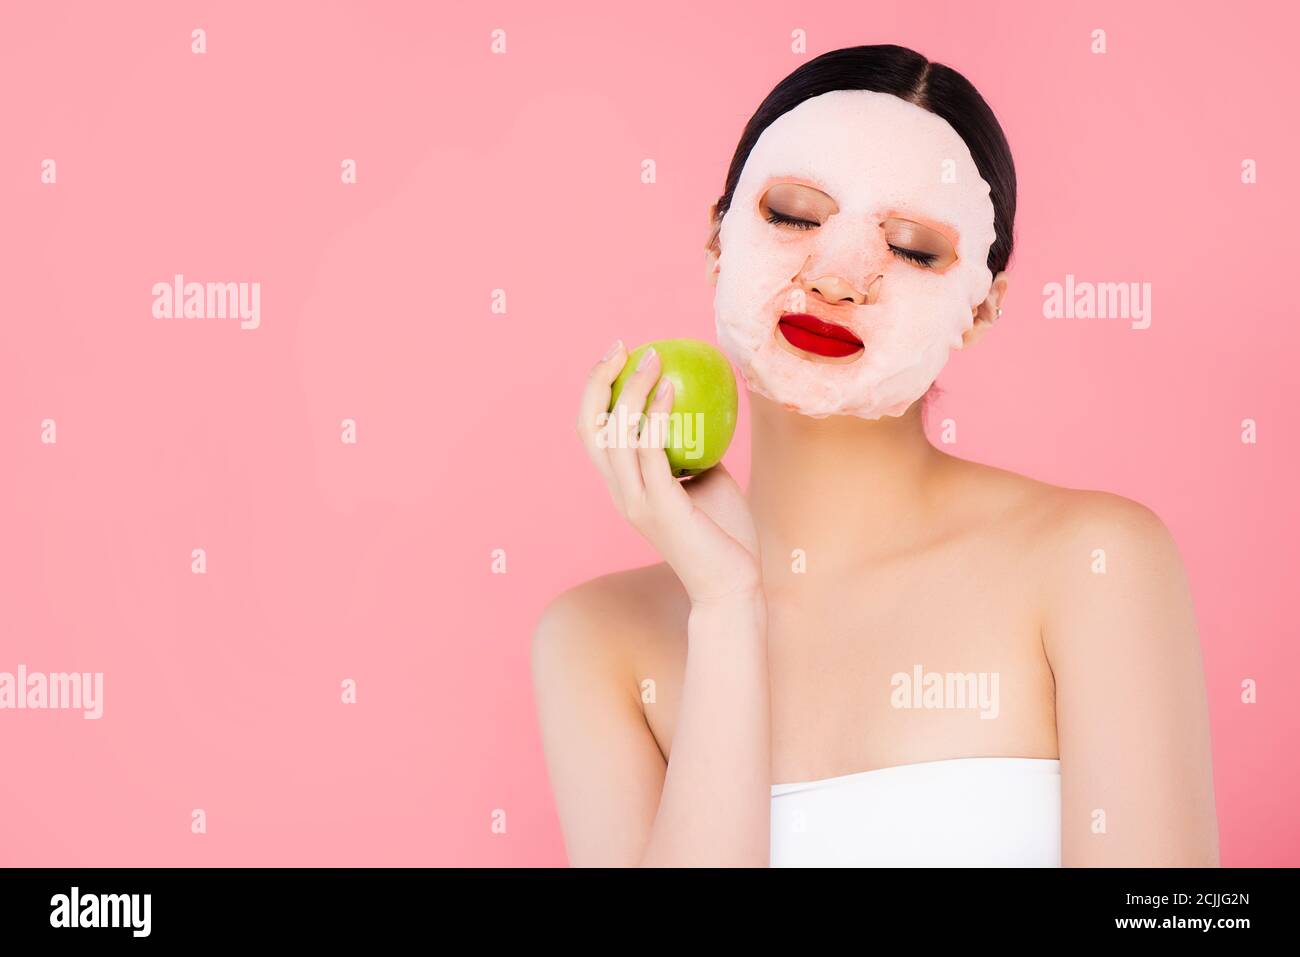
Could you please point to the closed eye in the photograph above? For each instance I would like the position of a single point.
(780, 219)
(920, 258)
(923, 259)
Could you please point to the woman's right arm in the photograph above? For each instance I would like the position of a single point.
(619, 802)
(717, 799)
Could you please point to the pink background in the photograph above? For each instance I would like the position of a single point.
(521, 172)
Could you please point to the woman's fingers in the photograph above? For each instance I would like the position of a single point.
(662, 490)
(592, 409)
(627, 417)
(625, 446)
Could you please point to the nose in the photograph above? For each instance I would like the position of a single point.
(845, 263)
(837, 289)
(834, 289)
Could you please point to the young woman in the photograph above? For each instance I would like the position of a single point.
(881, 653)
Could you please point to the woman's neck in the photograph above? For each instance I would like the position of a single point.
(841, 488)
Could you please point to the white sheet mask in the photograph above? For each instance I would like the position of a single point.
(877, 156)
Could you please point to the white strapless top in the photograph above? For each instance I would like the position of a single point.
(960, 812)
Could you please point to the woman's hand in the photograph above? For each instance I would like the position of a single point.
(702, 527)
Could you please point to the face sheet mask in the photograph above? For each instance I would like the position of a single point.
(878, 157)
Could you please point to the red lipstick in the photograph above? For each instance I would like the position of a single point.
(820, 338)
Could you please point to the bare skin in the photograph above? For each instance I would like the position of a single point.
(669, 701)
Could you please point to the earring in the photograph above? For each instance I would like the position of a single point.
(999, 315)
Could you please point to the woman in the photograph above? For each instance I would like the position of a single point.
(881, 654)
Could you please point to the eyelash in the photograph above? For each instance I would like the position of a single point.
(921, 259)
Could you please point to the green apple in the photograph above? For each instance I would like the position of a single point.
(703, 417)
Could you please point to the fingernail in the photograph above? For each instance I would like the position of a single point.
(645, 357)
(613, 350)
(663, 389)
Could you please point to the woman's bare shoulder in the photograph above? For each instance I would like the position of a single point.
(1089, 553)
(1051, 516)
(610, 615)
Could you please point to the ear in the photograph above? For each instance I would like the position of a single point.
(712, 249)
(986, 313)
